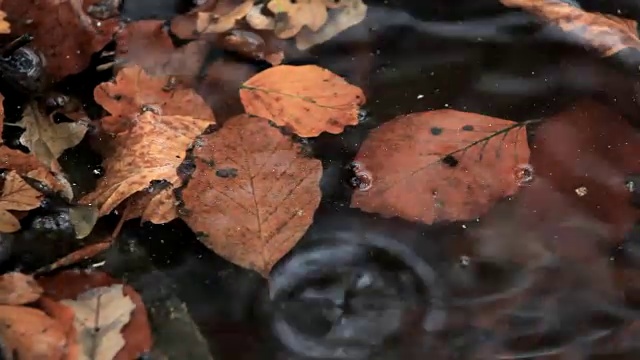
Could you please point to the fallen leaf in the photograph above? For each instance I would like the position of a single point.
(16, 195)
(607, 34)
(70, 284)
(85, 253)
(100, 314)
(64, 317)
(213, 17)
(150, 151)
(306, 99)
(147, 43)
(291, 16)
(83, 218)
(67, 49)
(157, 207)
(29, 333)
(253, 45)
(134, 92)
(56, 183)
(440, 165)
(18, 289)
(253, 193)
(5, 27)
(46, 139)
(350, 13)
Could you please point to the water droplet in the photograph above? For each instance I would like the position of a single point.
(524, 174)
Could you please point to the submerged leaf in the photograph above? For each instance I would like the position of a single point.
(253, 193)
(18, 289)
(30, 334)
(16, 195)
(440, 165)
(306, 99)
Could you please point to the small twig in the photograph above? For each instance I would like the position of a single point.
(16, 44)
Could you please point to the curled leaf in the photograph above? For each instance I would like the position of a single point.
(253, 201)
(439, 165)
(306, 99)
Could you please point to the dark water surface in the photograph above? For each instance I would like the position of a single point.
(518, 283)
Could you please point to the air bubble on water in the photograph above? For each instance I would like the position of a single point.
(524, 174)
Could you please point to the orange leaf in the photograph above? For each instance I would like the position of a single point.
(151, 150)
(30, 334)
(16, 195)
(307, 99)
(605, 33)
(67, 48)
(70, 284)
(412, 177)
(253, 200)
(133, 92)
(18, 289)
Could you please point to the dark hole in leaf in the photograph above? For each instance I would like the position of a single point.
(227, 173)
(450, 160)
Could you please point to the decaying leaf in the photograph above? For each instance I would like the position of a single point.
(350, 13)
(252, 195)
(439, 165)
(85, 253)
(605, 33)
(68, 285)
(100, 314)
(46, 139)
(16, 195)
(18, 289)
(157, 206)
(291, 16)
(5, 27)
(54, 182)
(306, 99)
(150, 151)
(134, 92)
(67, 48)
(147, 43)
(223, 17)
(29, 333)
(83, 218)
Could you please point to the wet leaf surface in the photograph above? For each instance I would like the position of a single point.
(16, 195)
(439, 165)
(31, 334)
(252, 202)
(306, 99)
(18, 289)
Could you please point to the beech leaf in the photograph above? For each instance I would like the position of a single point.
(16, 195)
(306, 99)
(150, 151)
(100, 315)
(348, 14)
(439, 165)
(605, 33)
(29, 333)
(253, 193)
(18, 289)
(46, 139)
(133, 92)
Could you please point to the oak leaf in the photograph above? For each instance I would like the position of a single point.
(150, 151)
(133, 92)
(253, 193)
(29, 333)
(306, 99)
(16, 195)
(100, 314)
(440, 165)
(46, 139)
(607, 34)
(18, 289)
(68, 285)
(67, 47)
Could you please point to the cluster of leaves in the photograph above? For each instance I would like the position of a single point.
(244, 184)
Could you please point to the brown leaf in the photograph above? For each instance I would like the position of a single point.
(151, 150)
(31, 334)
(70, 284)
(255, 199)
(54, 182)
(350, 13)
(18, 289)
(16, 195)
(306, 99)
(85, 253)
(64, 316)
(605, 33)
(417, 172)
(5, 27)
(46, 139)
(253, 45)
(158, 207)
(291, 16)
(134, 92)
(213, 17)
(68, 47)
(147, 44)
